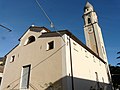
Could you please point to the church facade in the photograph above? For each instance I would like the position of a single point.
(50, 60)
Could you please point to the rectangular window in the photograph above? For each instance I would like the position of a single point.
(25, 77)
(12, 59)
(103, 49)
(50, 45)
(89, 20)
(86, 54)
(0, 80)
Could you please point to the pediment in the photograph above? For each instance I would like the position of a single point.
(32, 31)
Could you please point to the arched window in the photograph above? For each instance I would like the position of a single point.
(89, 20)
(31, 39)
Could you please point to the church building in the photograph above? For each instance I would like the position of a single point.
(57, 60)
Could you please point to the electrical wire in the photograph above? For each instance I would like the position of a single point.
(6, 28)
(33, 87)
(36, 66)
(52, 26)
(51, 23)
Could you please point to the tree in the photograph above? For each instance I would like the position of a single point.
(115, 73)
(118, 57)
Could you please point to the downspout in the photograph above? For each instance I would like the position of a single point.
(95, 39)
(72, 79)
(98, 84)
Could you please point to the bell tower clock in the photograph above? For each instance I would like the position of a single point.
(92, 30)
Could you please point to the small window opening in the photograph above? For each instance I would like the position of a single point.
(99, 63)
(12, 59)
(94, 59)
(86, 9)
(0, 80)
(86, 54)
(90, 31)
(89, 21)
(50, 45)
(103, 49)
(31, 39)
(103, 79)
(96, 76)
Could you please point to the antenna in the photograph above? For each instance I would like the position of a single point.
(51, 23)
(6, 28)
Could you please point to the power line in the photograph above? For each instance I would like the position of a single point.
(49, 56)
(6, 28)
(52, 26)
(35, 66)
(51, 23)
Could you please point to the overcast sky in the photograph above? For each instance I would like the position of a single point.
(18, 15)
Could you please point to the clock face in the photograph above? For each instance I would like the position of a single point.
(90, 31)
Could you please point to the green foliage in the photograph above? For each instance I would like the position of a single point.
(115, 73)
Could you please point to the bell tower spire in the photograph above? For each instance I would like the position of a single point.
(92, 30)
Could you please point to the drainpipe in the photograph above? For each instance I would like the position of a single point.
(95, 39)
(72, 79)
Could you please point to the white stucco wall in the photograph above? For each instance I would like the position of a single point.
(46, 65)
(48, 68)
(86, 64)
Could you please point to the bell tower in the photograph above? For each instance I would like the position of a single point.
(92, 30)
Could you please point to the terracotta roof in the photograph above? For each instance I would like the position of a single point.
(35, 29)
(32, 28)
(60, 33)
(38, 29)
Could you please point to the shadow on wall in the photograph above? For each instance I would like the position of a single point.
(65, 84)
(79, 84)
